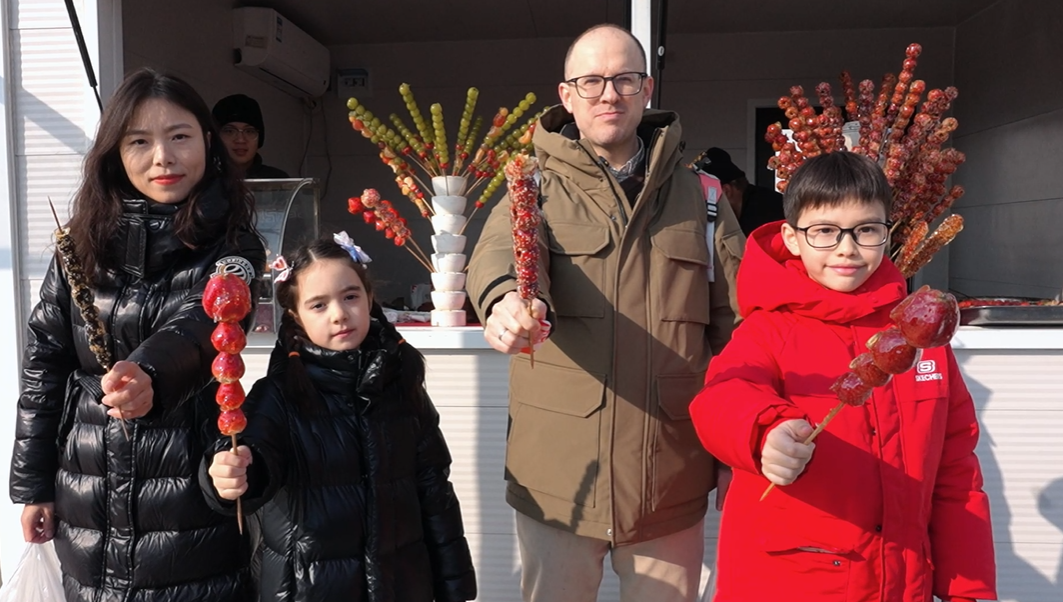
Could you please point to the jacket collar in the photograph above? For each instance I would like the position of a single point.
(146, 240)
(364, 371)
(559, 147)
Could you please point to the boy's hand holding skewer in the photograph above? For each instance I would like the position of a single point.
(785, 452)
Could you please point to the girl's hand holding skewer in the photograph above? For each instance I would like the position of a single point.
(228, 471)
(127, 391)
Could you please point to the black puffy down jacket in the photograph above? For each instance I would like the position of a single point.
(132, 524)
(354, 497)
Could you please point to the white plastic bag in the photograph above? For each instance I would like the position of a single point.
(37, 577)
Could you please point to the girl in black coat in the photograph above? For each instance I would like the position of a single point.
(342, 451)
(157, 209)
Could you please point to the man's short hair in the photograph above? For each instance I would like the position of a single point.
(833, 179)
(638, 44)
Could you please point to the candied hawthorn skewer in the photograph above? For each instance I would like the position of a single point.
(926, 318)
(524, 214)
(227, 300)
(84, 300)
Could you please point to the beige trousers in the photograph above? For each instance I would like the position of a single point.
(558, 566)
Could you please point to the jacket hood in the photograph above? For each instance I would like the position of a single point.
(771, 278)
(557, 139)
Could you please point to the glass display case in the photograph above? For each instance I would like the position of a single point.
(287, 217)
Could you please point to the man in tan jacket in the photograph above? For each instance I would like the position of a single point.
(601, 454)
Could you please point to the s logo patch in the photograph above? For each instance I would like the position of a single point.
(236, 265)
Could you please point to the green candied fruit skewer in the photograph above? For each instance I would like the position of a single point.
(474, 133)
(411, 140)
(466, 117)
(415, 114)
(490, 189)
(460, 149)
(441, 151)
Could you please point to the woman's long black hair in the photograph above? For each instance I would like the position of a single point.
(299, 389)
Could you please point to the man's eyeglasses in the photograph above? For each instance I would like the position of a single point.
(231, 133)
(827, 236)
(593, 86)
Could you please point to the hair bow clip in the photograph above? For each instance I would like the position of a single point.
(280, 266)
(345, 241)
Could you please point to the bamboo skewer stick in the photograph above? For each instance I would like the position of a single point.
(812, 437)
(83, 299)
(531, 343)
(239, 501)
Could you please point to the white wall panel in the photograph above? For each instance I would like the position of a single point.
(1019, 396)
(42, 177)
(44, 14)
(55, 105)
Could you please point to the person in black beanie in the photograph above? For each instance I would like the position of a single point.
(243, 132)
(754, 205)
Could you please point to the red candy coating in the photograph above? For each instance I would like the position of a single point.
(227, 368)
(230, 396)
(927, 318)
(851, 390)
(864, 367)
(891, 352)
(227, 298)
(229, 337)
(232, 422)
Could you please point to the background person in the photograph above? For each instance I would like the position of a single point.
(753, 205)
(243, 132)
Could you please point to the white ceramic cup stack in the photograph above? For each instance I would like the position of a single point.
(448, 261)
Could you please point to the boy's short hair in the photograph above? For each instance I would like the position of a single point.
(832, 179)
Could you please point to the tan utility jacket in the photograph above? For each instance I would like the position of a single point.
(600, 440)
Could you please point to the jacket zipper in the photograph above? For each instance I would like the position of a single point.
(649, 465)
(619, 199)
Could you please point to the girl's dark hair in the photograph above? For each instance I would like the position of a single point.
(298, 388)
(834, 179)
(97, 204)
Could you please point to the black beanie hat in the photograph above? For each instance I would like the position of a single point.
(242, 108)
(717, 162)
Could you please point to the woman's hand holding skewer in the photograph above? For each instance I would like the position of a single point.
(127, 391)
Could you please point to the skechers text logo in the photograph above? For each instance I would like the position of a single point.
(926, 370)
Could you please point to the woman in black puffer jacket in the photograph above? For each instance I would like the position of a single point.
(157, 210)
(347, 463)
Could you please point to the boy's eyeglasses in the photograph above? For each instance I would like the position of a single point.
(593, 86)
(827, 236)
(231, 133)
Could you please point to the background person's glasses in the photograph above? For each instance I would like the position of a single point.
(593, 86)
(231, 132)
(827, 236)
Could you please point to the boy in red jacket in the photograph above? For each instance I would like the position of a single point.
(887, 505)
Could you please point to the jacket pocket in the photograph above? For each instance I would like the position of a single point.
(818, 572)
(554, 434)
(676, 391)
(682, 470)
(679, 277)
(577, 274)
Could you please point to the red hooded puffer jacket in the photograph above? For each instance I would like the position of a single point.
(890, 508)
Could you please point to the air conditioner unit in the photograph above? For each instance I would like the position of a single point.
(273, 49)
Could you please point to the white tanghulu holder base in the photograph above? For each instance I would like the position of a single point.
(448, 261)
